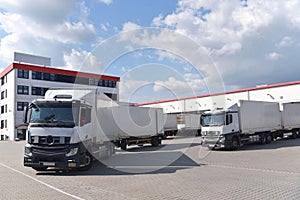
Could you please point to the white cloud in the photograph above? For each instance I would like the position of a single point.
(242, 37)
(190, 85)
(43, 28)
(273, 56)
(42, 11)
(107, 2)
(82, 59)
(130, 26)
(129, 89)
(286, 41)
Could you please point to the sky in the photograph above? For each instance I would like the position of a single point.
(160, 49)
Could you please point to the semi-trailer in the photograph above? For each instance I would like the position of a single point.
(170, 125)
(72, 126)
(249, 122)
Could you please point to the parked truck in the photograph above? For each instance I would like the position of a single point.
(249, 122)
(170, 125)
(291, 119)
(70, 127)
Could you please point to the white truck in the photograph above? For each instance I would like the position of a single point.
(291, 118)
(249, 122)
(71, 126)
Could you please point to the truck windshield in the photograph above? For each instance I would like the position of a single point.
(54, 114)
(213, 120)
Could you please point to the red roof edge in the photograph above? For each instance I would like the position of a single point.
(57, 71)
(223, 93)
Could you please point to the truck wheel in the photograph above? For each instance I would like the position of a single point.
(294, 134)
(39, 169)
(88, 159)
(234, 143)
(297, 133)
(155, 141)
(263, 139)
(268, 138)
(123, 145)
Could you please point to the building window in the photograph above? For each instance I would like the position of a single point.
(23, 73)
(3, 80)
(36, 75)
(2, 94)
(112, 96)
(2, 109)
(21, 105)
(2, 124)
(38, 91)
(22, 89)
(100, 83)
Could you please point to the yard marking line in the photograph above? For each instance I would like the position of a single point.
(41, 182)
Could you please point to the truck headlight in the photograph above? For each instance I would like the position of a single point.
(222, 137)
(72, 152)
(27, 151)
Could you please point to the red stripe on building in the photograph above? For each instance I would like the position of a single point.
(57, 71)
(223, 93)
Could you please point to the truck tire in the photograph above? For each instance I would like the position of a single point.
(294, 134)
(269, 138)
(155, 141)
(263, 139)
(88, 160)
(123, 145)
(234, 143)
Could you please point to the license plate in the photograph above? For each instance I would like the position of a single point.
(48, 164)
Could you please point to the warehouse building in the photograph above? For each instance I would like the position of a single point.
(283, 92)
(21, 83)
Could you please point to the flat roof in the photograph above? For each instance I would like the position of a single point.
(57, 71)
(223, 93)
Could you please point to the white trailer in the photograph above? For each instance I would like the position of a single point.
(189, 124)
(71, 126)
(242, 123)
(170, 125)
(291, 118)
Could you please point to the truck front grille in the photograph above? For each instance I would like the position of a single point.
(212, 134)
(50, 140)
(50, 151)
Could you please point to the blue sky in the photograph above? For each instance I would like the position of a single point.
(160, 49)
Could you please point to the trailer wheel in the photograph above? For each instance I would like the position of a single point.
(123, 144)
(294, 134)
(269, 138)
(234, 143)
(263, 139)
(297, 133)
(155, 141)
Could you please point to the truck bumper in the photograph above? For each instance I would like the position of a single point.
(53, 157)
(216, 143)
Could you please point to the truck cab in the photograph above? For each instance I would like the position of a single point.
(57, 134)
(220, 128)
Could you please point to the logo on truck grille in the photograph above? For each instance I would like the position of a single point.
(50, 139)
